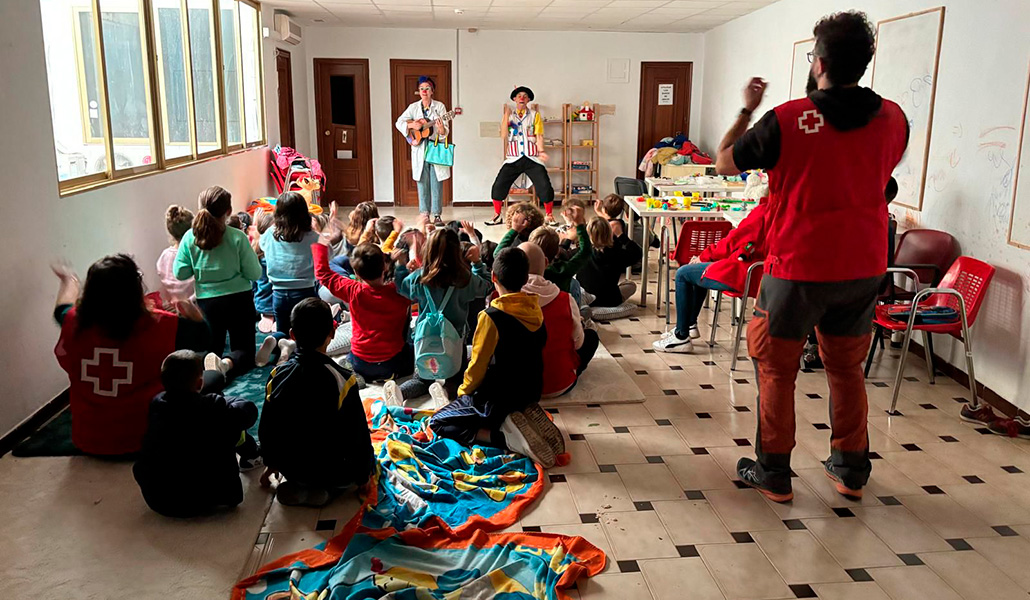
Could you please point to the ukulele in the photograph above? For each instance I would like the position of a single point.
(417, 136)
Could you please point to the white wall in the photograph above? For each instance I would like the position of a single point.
(298, 62)
(559, 67)
(40, 227)
(980, 88)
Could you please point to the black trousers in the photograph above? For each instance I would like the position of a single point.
(232, 314)
(510, 172)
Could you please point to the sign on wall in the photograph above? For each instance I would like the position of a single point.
(665, 94)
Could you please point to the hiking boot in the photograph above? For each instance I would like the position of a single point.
(292, 494)
(747, 470)
(522, 437)
(1011, 427)
(673, 344)
(838, 482)
(982, 414)
(546, 427)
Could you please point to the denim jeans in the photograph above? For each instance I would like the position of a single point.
(576, 291)
(430, 191)
(283, 302)
(402, 364)
(691, 288)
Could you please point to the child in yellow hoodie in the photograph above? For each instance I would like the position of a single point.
(498, 401)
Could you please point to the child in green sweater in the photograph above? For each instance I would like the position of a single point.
(560, 271)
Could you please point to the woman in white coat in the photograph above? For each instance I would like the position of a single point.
(429, 177)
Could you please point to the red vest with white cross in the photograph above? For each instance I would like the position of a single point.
(827, 215)
(112, 382)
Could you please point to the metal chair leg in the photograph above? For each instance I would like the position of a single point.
(715, 318)
(739, 333)
(872, 349)
(901, 368)
(928, 351)
(663, 269)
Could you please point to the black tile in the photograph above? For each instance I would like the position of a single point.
(793, 474)
(742, 381)
(1004, 530)
(615, 355)
(742, 537)
(687, 551)
(643, 506)
(821, 426)
(624, 336)
(593, 406)
(670, 392)
(628, 566)
(553, 411)
(620, 429)
(708, 363)
(649, 351)
(859, 575)
(742, 442)
(948, 438)
(665, 422)
(880, 384)
(843, 512)
(932, 489)
(807, 370)
(654, 460)
(960, 399)
(703, 415)
(910, 378)
(910, 559)
(607, 468)
(741, 409)
(694, 494)
(814, 396)
(675, 368)
(794, 524)
(959, 544)
(262, 538)
(928, 406)
(972, 479)
(531, 528)
(803, 590)
(699, 450)
(740, 484)
(587, 518)
(557, 478)
(707, 386)
(656, 332)
(635, 320)
(889, 500)
(1012, 469)
(743, 358)
(577, 437)
(911, 447)
(325, 525)
(896, 413)
(983, 431)
(874, 456)
(640, 372)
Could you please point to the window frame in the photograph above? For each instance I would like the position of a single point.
(156, 92)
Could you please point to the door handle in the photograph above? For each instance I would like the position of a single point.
(327, 132)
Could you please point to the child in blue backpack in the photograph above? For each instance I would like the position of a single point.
(443, 267)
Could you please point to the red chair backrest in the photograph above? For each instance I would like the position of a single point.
(926, 247)
(695, 236)
(970, 277)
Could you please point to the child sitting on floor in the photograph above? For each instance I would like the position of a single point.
(343, 241)
(178, 220)
(613, 252)
(610, 208)
(569, 348)
(262, 287)
(560, 270)
(379, 315)
(522, 220)
(198, 435)
(498, 402)
(313, 430)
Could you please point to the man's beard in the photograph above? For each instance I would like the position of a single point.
(812, 85)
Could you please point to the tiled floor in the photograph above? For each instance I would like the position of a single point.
(946, 514)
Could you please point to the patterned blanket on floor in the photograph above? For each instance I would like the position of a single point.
(422, 534)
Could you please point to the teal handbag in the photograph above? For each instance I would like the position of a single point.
(440, 154)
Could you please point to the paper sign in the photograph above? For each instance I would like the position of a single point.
(665, 94)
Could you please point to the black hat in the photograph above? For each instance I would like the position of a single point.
(522, 88)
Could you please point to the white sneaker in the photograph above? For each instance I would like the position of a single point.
(668, 334)
(521, 437)
(438, 394)
(392, 393)
(213, 362)
(286, 348)
(693, 332)
(674, 345)
(264, 353)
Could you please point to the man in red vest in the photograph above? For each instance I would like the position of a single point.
(829, 157)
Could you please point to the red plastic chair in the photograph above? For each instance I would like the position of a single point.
(963, 289)
(694, 237)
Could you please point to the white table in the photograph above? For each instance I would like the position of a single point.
(658, 187)
(638, 208)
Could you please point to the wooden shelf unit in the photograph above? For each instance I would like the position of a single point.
(575, 131)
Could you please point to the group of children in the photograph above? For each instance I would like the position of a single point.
(520, 304)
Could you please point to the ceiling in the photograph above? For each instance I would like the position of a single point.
(669, 16)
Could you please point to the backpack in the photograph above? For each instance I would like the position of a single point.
(437, 343)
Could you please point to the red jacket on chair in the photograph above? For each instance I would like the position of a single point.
(727, 267)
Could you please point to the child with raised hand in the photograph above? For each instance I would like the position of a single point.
(613, 252)
(445, 270)
(223, 265)
(313, 429)
(560, 270)
(498, 401)
(522, 220)
(196, 433)
(178, 220)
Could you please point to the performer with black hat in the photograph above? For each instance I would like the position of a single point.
(524, 130)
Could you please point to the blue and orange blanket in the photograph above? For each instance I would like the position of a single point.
(423, 531)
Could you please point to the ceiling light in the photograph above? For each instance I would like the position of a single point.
(458, 11)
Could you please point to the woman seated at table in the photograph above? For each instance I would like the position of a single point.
(721, 267)
(112, 344)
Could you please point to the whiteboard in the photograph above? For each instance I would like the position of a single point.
(1019, 222)
(908, 51)
(799, 68)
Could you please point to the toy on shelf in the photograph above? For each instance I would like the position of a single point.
(586, 112)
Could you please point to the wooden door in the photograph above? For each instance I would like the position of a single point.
(664, 103)
(344, 129)
(404, 76)
(284, 75)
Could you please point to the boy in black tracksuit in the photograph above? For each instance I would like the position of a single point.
(313, 429)
(195, 434)
(613, 252)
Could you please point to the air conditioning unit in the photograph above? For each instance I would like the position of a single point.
(289, 30)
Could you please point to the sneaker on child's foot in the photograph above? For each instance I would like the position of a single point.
(286, 348)
(747, 471)
(437, 221)
(1011, 428)
(291, 494)
(673, 343)
(587, 298)
(264, 353)
(438, 394)
(249, 464)
(981, 414)
(213, 362)
(693, 332)
(586, 313)
(522, 437)
(838, 482)
(266, 324)
(546, 427)
(392, 394)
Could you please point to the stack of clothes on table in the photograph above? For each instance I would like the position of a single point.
(673, 151)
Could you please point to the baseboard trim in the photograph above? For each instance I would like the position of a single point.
(34, 421)
(985, 393)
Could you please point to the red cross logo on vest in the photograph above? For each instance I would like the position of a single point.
(811, 121)
(106, 372)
